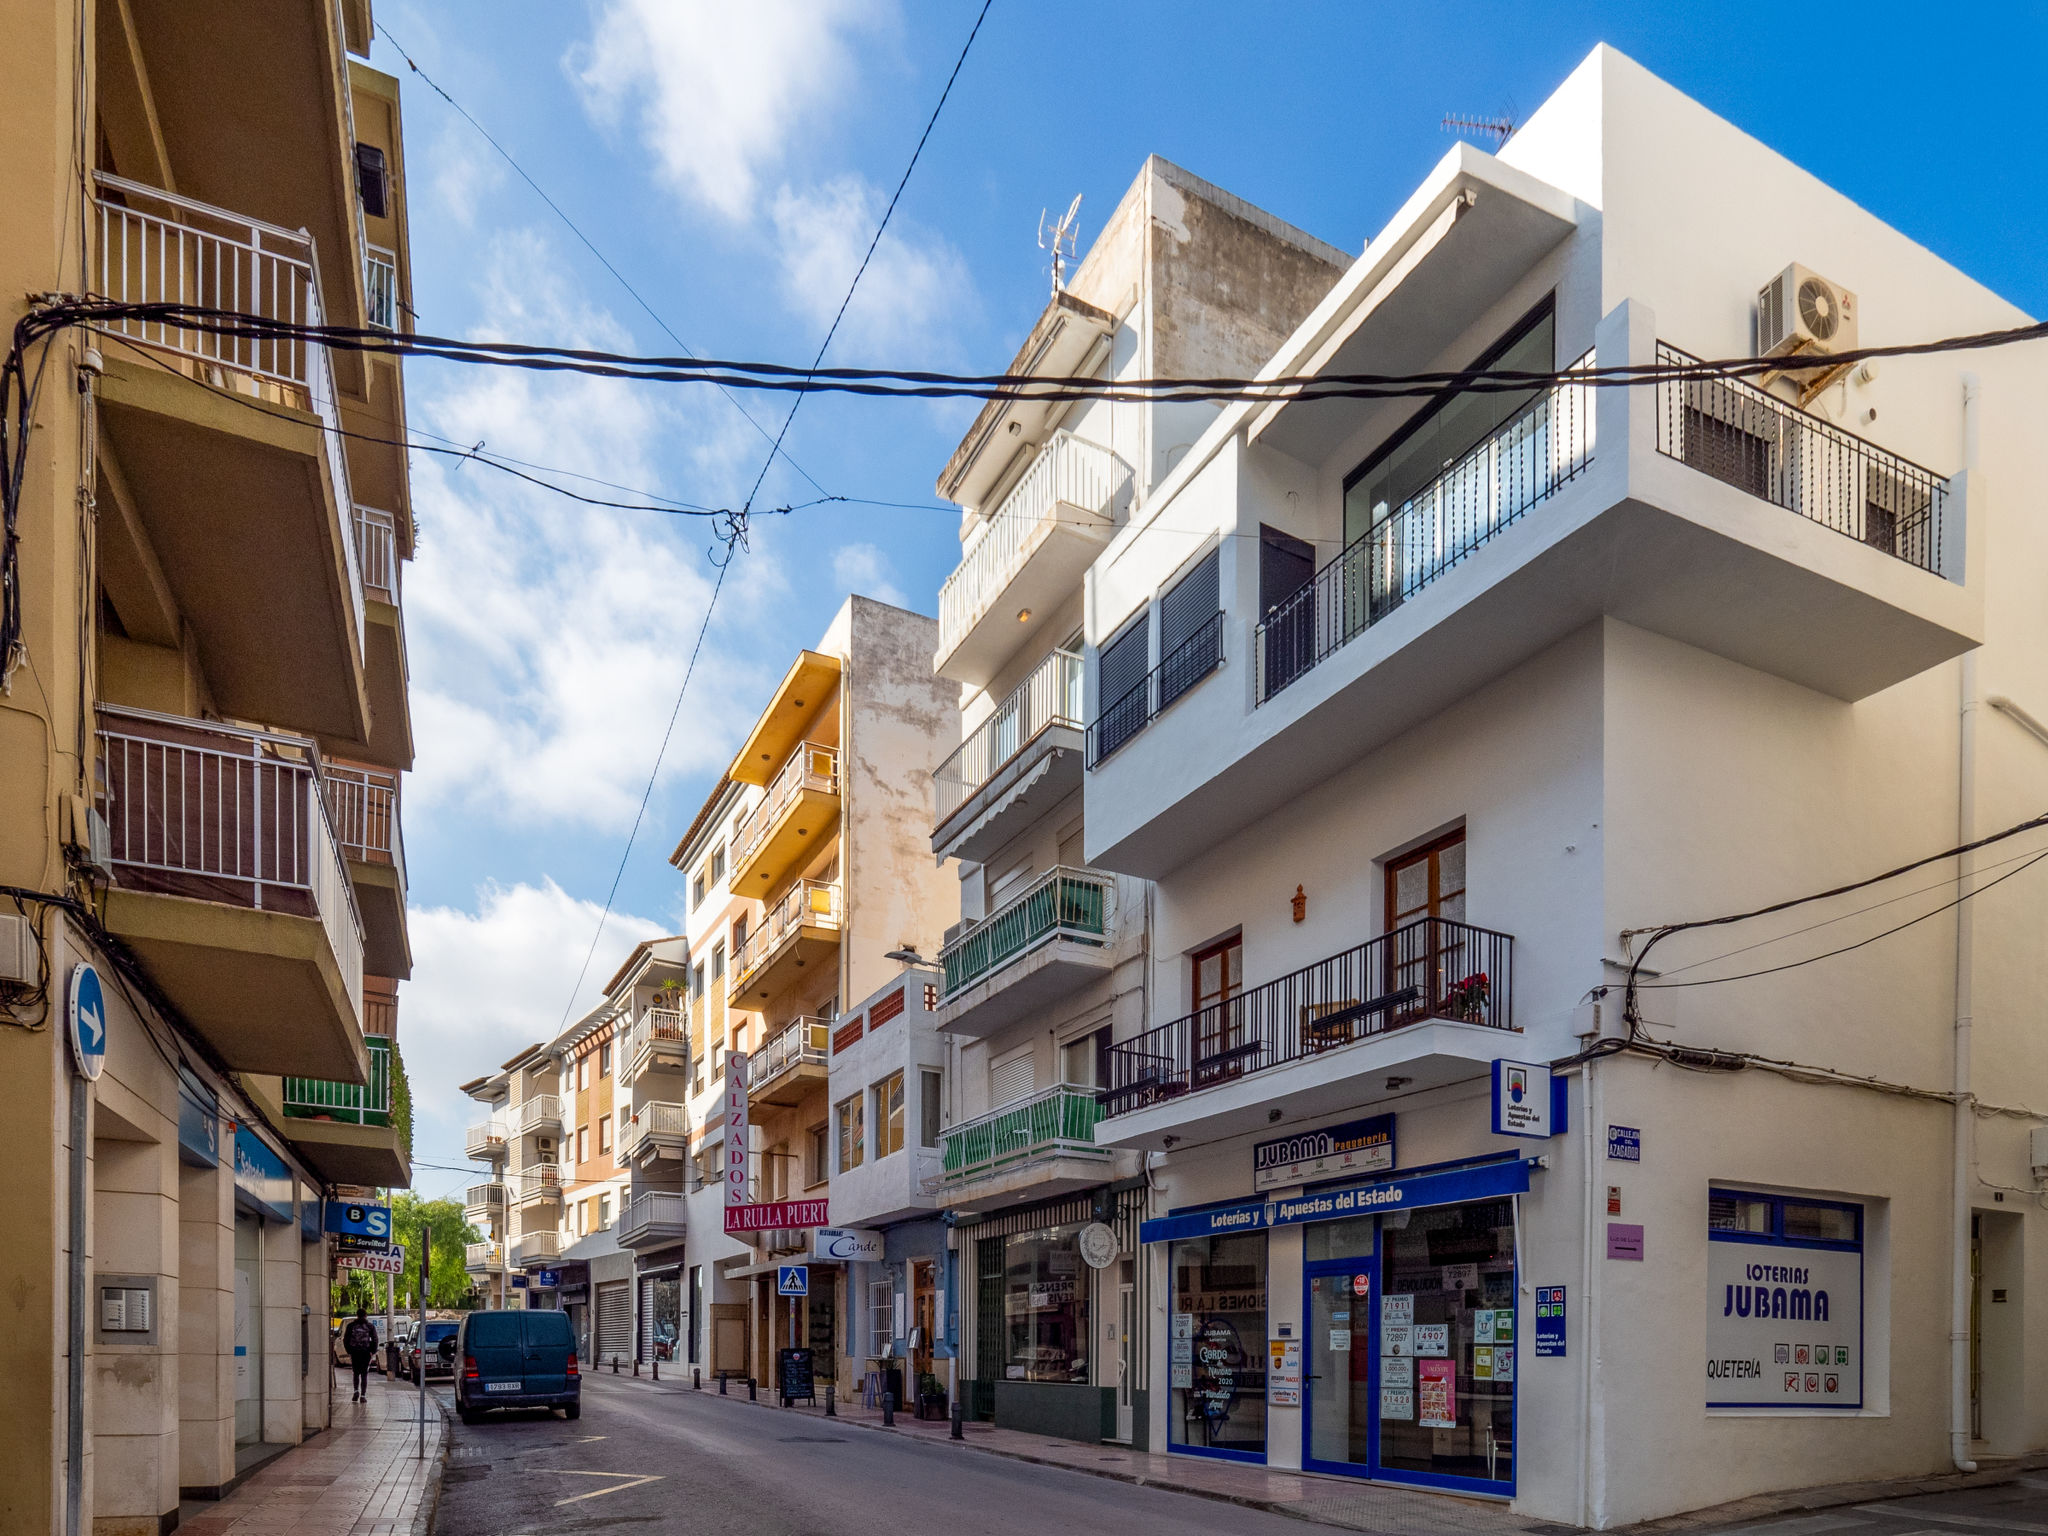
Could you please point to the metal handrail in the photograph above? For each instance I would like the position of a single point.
(528, 1246)
(1431, 968)
(1069, 471)
(481, 1197)
(539, 1182)
(483, 1256)
(538, 1110)
(652, 1208)
(801, 1040)
(809, 904)
(1059, 1120)
(1062, 903)
(235, 808)
(668, 1025)
(810, 766)
(313, 1098)
(657, 1117)
(1050, 696)
(1137, 707)
(1738, 433)
(364, 805)
(485, 1139)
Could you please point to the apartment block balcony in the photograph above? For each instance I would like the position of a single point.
(659, 1128)
(659, 1040)
(530, 1248)
(232, 457)
(540, 1184)
(654, 1218)
(1043, 1145)
(1039, 946)
(351, 1133)
(1430, 1002)
(484, 1204)
(229, 883)
(378, 551)
(1031, 555)
(799, 1052)
(541, 1114)
(483, 1258)
(1024, 758)
(796, 816)
(488, 1140)
(362, 802)
(800, 931)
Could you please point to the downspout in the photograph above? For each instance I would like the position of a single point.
(1589, 1331)
(1966, 939)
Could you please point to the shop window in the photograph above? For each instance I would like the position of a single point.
(1217, 1345)
(888, 1095)
(852, 1134)
(1045, 1306)
(1784, 1302)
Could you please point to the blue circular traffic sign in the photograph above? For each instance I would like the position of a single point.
(86, 1013)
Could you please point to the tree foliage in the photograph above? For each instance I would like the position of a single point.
(450, 1232)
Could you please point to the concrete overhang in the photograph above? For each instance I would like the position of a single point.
(1429, 1055)
(241, 516)
(1024, 985)
(799, 950)
(386, 683)
(380, 899)
(351, 1154)
(1039, 1179)
(264, 989)
(1042, 773)
(805, 824)
(781, 726)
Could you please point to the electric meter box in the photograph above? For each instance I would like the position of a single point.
(124, 1308)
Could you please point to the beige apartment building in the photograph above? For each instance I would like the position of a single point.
(203, 723)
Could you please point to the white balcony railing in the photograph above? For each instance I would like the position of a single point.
(542, 1182)
(377, 550)
(653, 1211)
(540, 1110)
(809, 904)
(668, 1028)
(531, 1247)
(485, 1140)
(1068, 471)
(661, 1118)
(195, 808)
(363, 803)
(800, 1041)
(485, 1197)
(809, 767)
(1050, 696)
(158, 248)
(380, 287)
(482, 1256)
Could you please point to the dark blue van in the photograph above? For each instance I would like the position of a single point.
(516, 1360)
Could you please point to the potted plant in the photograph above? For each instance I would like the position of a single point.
(1467, 1000)
(931, 1396)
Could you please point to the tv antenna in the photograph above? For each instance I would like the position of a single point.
(1496, 128)
(1059, 239)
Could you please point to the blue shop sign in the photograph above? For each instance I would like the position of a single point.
(198, 1122)
(261, 1177)
(360, 1218)
(1449, 1186)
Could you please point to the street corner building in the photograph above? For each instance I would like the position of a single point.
(1323, 762)
(203, 729)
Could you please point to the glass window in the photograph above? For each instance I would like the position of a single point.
(1218, 976)
(696, 1310)
(817, 1164)
(852, 1134)
(931, 1094)
(1738, 1213)
(604, 1211)
(718, 864)
(1217, 1343)
(1045, 1306)
(1820, 1223)
(1081, 1060)
(604, 1133)
(1352, 1239)
(582, 1143)
(889, 1115)
(664, 1320)
(881, 1309)
(604, 1059)
(697, 891)
(717, 962)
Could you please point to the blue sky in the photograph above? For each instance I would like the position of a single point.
(731, 162)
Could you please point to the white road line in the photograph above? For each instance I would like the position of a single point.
(633, 1480)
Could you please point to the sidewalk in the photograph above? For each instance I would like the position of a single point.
(360, 1478)
(1340, 1501)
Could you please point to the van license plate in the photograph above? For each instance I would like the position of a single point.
(502, 1386)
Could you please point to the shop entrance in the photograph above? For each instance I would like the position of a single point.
(1338, 1380)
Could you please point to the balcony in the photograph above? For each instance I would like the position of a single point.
(658, 1128)
(530, 1248)
(1030, 558)
(797, 1053)
(362, 803)
(540, 1114)
(654, 1218)
(232, 457)
(1044, 1144)
(661, 1039)
(483, 1258)
(1024, 757)
(484, 1203)
(533, 1186)
(230, 885)
(1138, 706)
(352, 1134)
(800, 930)
(796, 816)
(485, 1141)
(389, 743)
(1433, 999)
(1033, 950)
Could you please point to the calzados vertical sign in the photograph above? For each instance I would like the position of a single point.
(735, 1129)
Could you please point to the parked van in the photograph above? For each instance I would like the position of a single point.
(516, 1360)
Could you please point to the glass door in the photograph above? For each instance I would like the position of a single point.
(1342, 1304)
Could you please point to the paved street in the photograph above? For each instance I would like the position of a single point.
(2020, 1506)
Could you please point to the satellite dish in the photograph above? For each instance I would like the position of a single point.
(1059, 239)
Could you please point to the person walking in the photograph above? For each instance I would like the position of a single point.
(359, 1338)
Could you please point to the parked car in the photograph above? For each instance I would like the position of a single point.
(516, 1360)
(341, 1355)
(440, 1350)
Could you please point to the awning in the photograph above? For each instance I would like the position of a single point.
(1449, 1186)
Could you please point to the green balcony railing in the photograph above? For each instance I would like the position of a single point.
(1058, 1122)
(1062, 903)
(313, 1098)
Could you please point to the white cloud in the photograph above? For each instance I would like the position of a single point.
(724, 89)
(915, 287)
(863, 568)
(486, 984)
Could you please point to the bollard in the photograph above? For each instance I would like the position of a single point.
(655, 1367)
(752, 1387)
(959, 1416)
(696, 1379)
(636, 1366)
(831, 1412)
(721, 1383)
(615, 1365)
(889, 1410)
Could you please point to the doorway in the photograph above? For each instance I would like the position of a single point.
(1126, 1358)
(1339, 1382)
(924, 1314)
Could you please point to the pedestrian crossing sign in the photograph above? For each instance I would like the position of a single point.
(792, 1280)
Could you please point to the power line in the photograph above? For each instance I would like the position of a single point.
(589, 245)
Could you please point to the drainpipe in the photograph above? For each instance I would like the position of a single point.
(1964, 1109)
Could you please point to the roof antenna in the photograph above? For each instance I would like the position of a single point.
(1059, 239)
(1496, 128)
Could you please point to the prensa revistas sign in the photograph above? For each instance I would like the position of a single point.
(1452, 1186)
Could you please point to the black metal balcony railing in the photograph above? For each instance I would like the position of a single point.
(1537, 450)
(1178, 671)
(1793, 459)
(1432, 968)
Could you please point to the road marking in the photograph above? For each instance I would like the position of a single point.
(633, 1480)
(1969, 1520)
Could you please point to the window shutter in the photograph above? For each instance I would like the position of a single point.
(1010, 1081)
(1123, 663)
(1193, 602)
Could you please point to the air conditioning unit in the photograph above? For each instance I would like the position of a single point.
(1801, 311)
(545, 1146)
(2037, 1147)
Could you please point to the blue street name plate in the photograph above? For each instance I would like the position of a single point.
(1624, 1144)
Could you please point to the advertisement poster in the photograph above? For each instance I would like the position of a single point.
(1340, 1341)
(1397, 1402)
(1503, 1362)
(1437, 1394)
(1283, 1372)
(1219, 1369)
(1432, 1338)
(1396, 1339)
(1777, 1314)
(1482, 1362)
(1397, 1371)
(1461, 1277)
(1397, 1309)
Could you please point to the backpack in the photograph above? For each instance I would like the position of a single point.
(359, 1336)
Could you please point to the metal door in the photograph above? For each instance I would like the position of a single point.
(614, 1322)
(1341, 1368)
